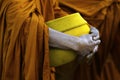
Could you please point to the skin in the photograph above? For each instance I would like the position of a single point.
(83, 45)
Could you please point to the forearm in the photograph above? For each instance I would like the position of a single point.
(61, 40)
(83, 44)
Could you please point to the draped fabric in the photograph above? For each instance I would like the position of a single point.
(24, 48)
(104, 15)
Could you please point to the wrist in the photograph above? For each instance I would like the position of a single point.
(74, 43)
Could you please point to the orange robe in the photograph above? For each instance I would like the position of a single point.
(24, 48)
(104, 15)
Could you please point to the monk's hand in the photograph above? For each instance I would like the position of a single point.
(86, 44)
(95, 36)
(95, 33)
(87, 48)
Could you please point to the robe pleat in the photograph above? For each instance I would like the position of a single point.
(105, 16)
(24, 39)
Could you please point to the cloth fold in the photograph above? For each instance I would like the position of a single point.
(104, 15)
(24, 48)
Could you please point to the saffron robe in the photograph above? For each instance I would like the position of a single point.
(24, 48)
(105, 16)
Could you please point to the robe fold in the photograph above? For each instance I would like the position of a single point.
(24, 48)
(105, 16)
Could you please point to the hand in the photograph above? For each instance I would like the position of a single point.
(86, 44)
(95, 33)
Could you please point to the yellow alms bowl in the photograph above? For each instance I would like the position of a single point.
(72, 24)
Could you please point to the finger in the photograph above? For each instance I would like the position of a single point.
(95, 37)
(93, 52)
(95, 49)
(94, 30)
(97, 42)
(94, 34)
(93, 44)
